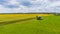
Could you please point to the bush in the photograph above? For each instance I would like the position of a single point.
(57, 14)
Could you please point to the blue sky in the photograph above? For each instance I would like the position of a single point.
(27, 6)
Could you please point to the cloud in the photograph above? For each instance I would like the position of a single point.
(11, 6)
(5, 10)
(25, 6)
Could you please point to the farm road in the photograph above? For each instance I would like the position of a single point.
(10, 22)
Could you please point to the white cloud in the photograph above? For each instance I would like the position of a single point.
(13, 2)
(6, 10)
(36, 6)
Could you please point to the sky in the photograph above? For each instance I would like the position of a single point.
(29, 6)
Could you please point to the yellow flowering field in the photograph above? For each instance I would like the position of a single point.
(8, 17)
(21, 15)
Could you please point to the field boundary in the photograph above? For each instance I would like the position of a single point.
(10, 22)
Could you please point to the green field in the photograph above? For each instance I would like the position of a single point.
(49, 25)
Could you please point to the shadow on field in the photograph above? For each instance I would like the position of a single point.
(10, 22)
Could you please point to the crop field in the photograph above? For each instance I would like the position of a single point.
(8, 17)
(27, 24)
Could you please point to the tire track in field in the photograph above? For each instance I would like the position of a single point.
(10, 22)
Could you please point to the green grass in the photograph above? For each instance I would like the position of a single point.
(49, 25)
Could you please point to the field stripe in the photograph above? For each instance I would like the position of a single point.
(10, 22)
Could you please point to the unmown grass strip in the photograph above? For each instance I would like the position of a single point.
(10, 22)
